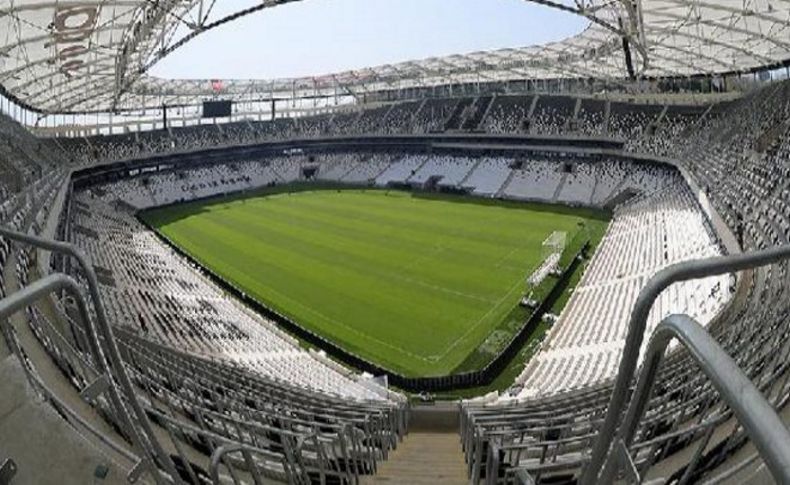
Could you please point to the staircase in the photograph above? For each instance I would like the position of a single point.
(457, 116)
(501, 190)
(481, 123)
(691, 127)
(417, 168)
(592, 194)
(423, 459)
(572, 123)
(415, 115)
(349, 170)
(656, 124)
(527, 121)
(470, 172)
(771, 137)
(576, 108)
(381, 172)
(477, 113)
(559, 187)
(150, 192)
(45, 447)
(532, 106)
(277, 174)
(383, 121)
(607, 112)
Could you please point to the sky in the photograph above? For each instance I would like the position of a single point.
(315, 37)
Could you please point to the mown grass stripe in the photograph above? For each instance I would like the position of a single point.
(413, 283)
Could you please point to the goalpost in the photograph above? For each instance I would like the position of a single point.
(551, 251)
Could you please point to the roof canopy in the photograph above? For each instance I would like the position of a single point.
(62, 56)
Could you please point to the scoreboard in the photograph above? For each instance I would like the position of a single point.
(216, 109)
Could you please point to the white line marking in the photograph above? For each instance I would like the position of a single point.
(515, 286)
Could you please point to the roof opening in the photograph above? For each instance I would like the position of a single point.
(315, 37)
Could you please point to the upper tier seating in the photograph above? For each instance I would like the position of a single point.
(645, 128)
(551, 115)
(432, 115)
(591, 119)
(507, 114)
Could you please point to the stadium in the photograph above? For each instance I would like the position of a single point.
(559, 263)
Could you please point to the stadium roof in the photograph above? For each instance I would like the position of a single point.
(62, 56)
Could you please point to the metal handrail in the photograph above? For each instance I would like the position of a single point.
(218, 458)
(754, 412)
(684, 271)
(226, 446)
(102, 331)
(64, 408)
(25, 297)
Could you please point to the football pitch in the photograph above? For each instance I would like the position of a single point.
(414, 283)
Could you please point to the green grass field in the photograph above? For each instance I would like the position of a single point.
(415, 283)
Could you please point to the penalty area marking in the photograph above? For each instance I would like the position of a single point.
(481, 319)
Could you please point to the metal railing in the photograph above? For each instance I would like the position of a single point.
(221, 457)
(753, 411)
(7, 471)
(609, 434)
(303, 457)
(102, 347)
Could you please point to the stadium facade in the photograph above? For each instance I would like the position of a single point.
(159, 370)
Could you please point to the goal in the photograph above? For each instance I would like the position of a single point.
(554, 244)
(551, 251)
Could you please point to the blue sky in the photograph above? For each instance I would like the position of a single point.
(313, 37)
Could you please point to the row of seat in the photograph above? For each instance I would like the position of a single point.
(739, 154)
(642, 126)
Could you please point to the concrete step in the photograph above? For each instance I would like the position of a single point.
(45, 448)
(423, 458)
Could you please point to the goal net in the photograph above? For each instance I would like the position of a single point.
(554, 244)
(552, 249)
